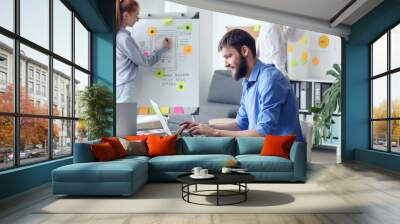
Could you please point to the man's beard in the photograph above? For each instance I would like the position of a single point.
(242, 69)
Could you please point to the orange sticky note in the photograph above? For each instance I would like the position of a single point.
(187, 49)
(151, 31)
(178, 110)
(315, 61)
(164, 110)
(143, 111)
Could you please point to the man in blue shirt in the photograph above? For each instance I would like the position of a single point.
(268, 104)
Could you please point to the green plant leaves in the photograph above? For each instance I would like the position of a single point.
(97, 103)
(331, 101)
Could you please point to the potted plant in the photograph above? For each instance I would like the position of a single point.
(331, 101)
(96, 102)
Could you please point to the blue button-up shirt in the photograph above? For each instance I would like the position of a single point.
(268, 104)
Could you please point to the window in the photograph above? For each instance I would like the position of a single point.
(7, 14)
(385, 96)
(30, 87)
(81, 45)
(45, 131)
(3, 78)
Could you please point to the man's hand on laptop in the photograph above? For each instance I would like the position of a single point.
(195, 128)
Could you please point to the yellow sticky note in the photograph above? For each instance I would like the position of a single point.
(290, 48)
(293, 63)
(303, 40)
(164, 110)
(187, 27)
(167, 21)
(159, 73)
(143, 110)
(152, 31)
(303, 61)
(323, 41)
(187, 49)
(315, 60)
(180, 86)
(256, 28)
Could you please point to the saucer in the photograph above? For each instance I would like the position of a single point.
(208, 176)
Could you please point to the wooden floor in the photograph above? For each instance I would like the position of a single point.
(377, 188)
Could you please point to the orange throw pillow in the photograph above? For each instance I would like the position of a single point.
(103, 152)
(161, 145)
(277, 145)
(116, 145)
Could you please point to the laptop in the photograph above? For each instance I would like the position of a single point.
(163, 121)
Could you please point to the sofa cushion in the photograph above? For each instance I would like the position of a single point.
(116, 145)
(257, 163)
(103, 152)
(161, 145)
(277, 145)
(83, 152)
(249, 145)
(112, 171)
(206, 145)
(185, 163)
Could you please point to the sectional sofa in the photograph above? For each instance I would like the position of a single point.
(125, 176)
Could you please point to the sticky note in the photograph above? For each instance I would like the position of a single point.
(143, 110)
(159, 73)
(181, 86)
(315, 60)
(146, 53)
(303, 40)
(178, 110)
(164, 110)
(290, 48)
(323, 41)
(293, 63)
(304, 55)
(303, 61)
(152, 31)
(167, 21)
(151, 110)
(187, 27)
(256, 28)
(187, 49)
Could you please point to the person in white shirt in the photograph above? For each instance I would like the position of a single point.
(128, 54)
(272, 43)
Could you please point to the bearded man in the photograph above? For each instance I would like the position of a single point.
(268, 104)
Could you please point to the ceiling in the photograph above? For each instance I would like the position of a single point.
(327, 16)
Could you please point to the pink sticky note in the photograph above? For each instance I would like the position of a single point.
(178, 110)
(146, 53)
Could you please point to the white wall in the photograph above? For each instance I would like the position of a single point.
(220, 22)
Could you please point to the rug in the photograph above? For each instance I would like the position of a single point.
(167, 198)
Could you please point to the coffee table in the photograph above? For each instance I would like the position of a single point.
(238, 179)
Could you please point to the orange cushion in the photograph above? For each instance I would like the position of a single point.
(103, 152)
(277, 145)
(161, 145)
(116, 145)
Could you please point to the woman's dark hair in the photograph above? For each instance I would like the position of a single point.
(237, 38)
(124, 6)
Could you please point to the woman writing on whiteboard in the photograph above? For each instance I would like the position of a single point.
(128, 54)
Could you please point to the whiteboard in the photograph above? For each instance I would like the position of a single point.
(313, 55)
(173, 82)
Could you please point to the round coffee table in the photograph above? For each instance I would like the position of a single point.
(238, 179)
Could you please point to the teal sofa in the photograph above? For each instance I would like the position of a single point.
(125, 176)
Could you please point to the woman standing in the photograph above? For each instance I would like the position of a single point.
(128, 54)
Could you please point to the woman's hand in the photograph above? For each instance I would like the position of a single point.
(166, 43)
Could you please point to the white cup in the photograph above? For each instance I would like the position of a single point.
(203, 172)
(226, 170)
(196, 171)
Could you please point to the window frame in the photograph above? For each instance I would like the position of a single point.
(388, 74)
(16, 114)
